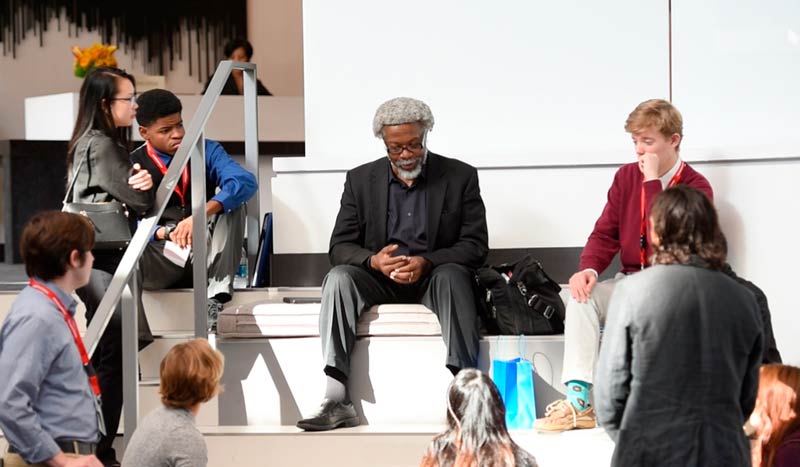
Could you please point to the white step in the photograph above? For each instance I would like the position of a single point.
(370, 446)
(171, 310)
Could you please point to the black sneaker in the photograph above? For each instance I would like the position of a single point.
(214, 307)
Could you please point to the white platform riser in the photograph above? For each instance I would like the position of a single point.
(394, 380)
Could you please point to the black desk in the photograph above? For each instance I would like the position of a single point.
(34, 179)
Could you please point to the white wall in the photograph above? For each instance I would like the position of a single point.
(547, 81)
(275, 28)
(48, 70)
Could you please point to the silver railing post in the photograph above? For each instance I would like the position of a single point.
(130, 356)
(199, 232)
(251, 163)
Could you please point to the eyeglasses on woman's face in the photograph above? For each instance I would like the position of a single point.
(131, 99)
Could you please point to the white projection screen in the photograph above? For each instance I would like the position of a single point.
(511, 82)
(736, 77)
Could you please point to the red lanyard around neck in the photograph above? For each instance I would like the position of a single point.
(643, 231)
(184, 185)
(73, 329)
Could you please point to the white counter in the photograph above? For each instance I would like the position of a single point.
(52, 117)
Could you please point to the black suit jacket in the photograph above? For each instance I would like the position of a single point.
(456, 228)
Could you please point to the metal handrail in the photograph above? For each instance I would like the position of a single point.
(192, 147)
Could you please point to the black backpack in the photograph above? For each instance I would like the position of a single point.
(520, 298)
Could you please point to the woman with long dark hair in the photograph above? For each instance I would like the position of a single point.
(776, 418)
(678, 368)
(99, 152)
(476, 435)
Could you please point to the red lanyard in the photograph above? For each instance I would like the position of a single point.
(180, 191)
(73, 329)
(643, 231)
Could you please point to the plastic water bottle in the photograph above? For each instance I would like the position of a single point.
(240, 278)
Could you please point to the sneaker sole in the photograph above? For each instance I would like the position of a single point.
(344, 423)
(581, 425)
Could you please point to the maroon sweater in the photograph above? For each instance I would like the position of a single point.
(788, 454)
(619, 226)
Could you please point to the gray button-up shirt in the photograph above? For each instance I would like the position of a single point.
(44, 391)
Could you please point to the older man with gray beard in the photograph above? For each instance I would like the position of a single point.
(411, 229)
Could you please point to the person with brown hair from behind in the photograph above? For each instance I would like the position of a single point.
(476, 434)
(168, 437)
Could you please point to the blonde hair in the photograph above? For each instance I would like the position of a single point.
(190, 374)
(657, 114)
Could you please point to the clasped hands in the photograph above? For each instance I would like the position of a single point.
(401, 269)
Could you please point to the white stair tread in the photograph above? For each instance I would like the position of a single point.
(399, 429)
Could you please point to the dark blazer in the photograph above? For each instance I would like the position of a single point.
(456, 229)
(104, 174)
(678, 370)
(771, 353)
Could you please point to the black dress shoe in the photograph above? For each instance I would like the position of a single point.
(330, 415)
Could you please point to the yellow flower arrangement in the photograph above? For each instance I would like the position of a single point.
(92, 57)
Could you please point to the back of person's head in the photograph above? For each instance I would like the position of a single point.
(48, 240)
(777, 411)
(234, 44)
(686, 224)
(155, 104)
(94, 108)
(476, 434)
(190, 374)
(656, 114)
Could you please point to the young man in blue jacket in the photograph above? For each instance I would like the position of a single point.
(228, 187)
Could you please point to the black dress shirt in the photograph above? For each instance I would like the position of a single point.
(406, 220)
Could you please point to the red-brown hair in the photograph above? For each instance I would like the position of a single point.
(190, 374)
(778, 407)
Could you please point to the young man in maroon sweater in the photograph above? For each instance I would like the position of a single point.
(657, 129)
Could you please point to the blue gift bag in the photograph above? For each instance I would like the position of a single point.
(514, 381)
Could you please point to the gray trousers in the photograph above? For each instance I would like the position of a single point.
(349, 290)
(225, 239)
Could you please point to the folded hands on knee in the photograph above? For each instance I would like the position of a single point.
(401, 269)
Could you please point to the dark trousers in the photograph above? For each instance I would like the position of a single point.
(107, 358)
(225, 241)
(348, 291)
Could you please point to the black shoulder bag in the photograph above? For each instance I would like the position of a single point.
(520, 298)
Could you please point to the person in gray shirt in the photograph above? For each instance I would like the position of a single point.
(49, 398)
(168, 437)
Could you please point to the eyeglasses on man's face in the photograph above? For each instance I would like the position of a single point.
(414, 148)
(397, 149)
